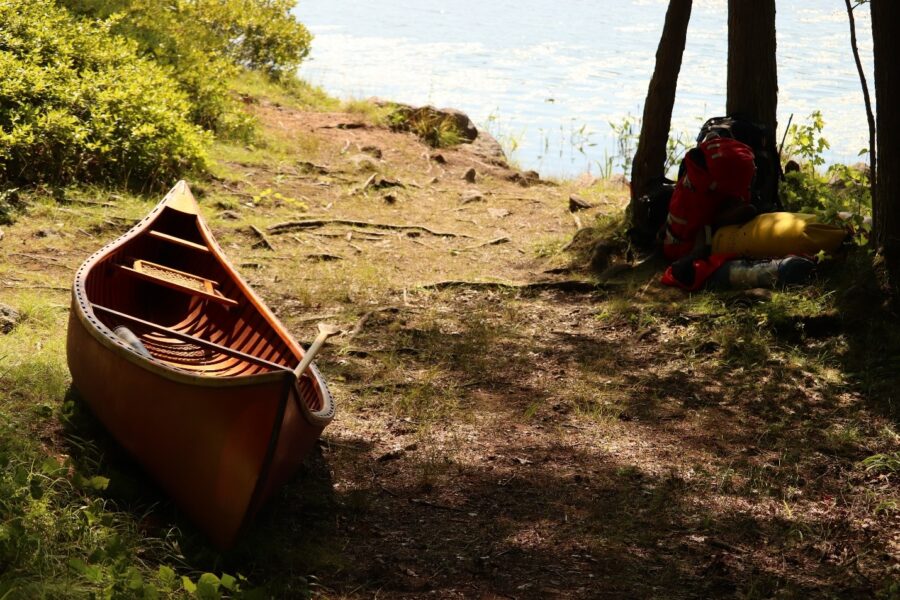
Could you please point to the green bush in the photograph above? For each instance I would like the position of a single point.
(78, 103)
(206, 43)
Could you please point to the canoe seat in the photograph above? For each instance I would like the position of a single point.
(177, 280)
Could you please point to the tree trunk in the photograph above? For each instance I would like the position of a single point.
(885, 207)
(753, 78)
(867, 100)
(650, 158)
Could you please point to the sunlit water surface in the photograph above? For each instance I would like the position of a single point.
(548, 77)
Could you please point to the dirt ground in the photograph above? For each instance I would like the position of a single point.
(508, 425)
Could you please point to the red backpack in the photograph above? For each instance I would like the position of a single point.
(713, 172)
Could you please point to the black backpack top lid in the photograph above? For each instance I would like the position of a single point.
(735, 127)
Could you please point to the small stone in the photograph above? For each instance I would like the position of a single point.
(470, 175)
(363, 162)
(9, 318)
(471, 196)
(439, 159)
(390, 198)
(393, 454)
(498, 213)
(230, 215)
(372, 151)
(577, 203)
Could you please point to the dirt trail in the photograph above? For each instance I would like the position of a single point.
(526, 443)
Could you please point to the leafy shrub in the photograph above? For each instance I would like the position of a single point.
(840, 189)
(77, 102)
(206, 43)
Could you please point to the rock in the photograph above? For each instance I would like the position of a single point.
(9, 318)
(498, 213)
(439, 159)
(470, 175)
(489, 150)
(380, 183)
(577, 203)
(461, 121)
(390, 198)
(308, 167)
(524, 178)
(471, 196)
(363, 162)
(374, 151)
(619, 179)
(230, 215)
(392, 454)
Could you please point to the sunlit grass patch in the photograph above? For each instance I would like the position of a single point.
(291, 91)
(33, 371)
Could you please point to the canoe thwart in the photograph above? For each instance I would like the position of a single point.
(177, 240)
(190, 338)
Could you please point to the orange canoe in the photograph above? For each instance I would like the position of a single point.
(190, 371)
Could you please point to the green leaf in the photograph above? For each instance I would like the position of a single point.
(189, 586)
(134, 580)
(166, 576)
(208, 587)
(228, 582)
(98, 482)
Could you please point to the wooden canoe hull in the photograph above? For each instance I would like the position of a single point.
(220, 446)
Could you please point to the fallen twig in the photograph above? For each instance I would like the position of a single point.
(263, 240)
(287, 226)
(89, 202)
(493, 242)
(37, 287)
(361, 322)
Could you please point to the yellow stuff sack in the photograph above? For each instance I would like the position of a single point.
(773, 235)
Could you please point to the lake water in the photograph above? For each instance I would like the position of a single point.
(548, 77)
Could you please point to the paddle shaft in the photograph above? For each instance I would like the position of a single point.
(311, 352)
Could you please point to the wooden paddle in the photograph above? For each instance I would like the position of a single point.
(325, 332)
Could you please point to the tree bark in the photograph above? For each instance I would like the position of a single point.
(650, 158)
(885, 207)
(753, 76)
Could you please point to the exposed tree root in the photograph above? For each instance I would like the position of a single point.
(287, 226)
(565, 285)
(263, 240)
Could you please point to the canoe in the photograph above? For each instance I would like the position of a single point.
(190, 371)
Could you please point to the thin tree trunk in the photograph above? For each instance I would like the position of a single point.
(753, 77)
(886, 204)
(873, 171)
(650, 158)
